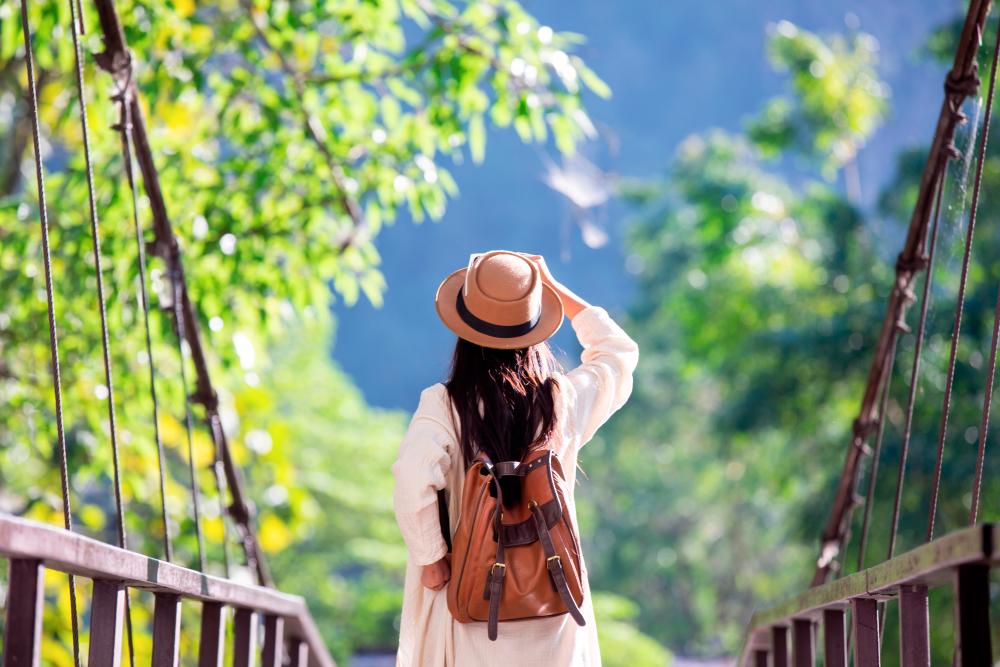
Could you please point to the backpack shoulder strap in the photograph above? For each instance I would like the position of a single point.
(443, 517)
(554, 564)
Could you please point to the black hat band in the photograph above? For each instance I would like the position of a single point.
(490, 329)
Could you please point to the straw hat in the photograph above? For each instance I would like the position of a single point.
(499, 301)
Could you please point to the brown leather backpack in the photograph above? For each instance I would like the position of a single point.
(518, 562)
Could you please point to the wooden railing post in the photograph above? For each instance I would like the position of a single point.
(973, 605)
(864, 613)
(245, 638)
(274, 637)
(779, 646)
(166, 630)
(914, 634)
(25, 596)
(834, 638)
(212, 645)
(107, 611)
(298, 654)
(803, 646)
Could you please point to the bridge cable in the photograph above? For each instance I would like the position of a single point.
(977, 187)
(984, 423)
(918, 346)
(95, 240)
(181, 333)
(890, 362)
(124, 127)
(29, 64)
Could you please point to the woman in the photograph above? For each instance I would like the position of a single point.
(505, 395)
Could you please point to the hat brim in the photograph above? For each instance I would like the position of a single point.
(549, 320)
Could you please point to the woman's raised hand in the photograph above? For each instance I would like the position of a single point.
(543, 268)
(572, 304)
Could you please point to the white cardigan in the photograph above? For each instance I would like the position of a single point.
(430, 458)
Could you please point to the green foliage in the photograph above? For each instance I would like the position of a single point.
(760, 293)
(836, 100)
(754, 292)
(286, 134)
(345, 553)
(621, 644)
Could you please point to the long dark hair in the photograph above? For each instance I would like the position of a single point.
(516, 389)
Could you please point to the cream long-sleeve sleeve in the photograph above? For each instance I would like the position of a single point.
(420, 471)
(602, 382)
(430, 459)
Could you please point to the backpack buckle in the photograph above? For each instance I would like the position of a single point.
(503, 567)
(554, 558)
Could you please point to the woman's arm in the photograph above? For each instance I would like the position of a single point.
(421, 469)
(602, 382)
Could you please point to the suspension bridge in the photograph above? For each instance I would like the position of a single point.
(843, 610)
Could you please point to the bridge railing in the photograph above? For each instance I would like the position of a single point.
(31, 547)
(961, 560)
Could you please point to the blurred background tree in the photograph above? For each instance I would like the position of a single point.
(763, 279)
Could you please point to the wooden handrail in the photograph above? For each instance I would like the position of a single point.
(930, 565)
(76, 554)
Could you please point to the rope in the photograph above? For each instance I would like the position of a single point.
(124, 127)
(181, 331)
(43, 214)
(917, 356)
(980, 163)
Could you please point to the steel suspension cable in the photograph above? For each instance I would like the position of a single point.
(95, 232)
(43, 214)
(918, 347)
(890, 363)
(963, 281)
(218, 468)
(181, 334)
(984, 424)
(124, 127)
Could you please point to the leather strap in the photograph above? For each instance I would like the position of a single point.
(518, 468)
(443, 518)
(499, 568)
(554, 565)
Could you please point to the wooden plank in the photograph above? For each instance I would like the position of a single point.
(212, 644)
(166, 630)
(68, 552)
(25, 597)
(803, 644)
(974, 643)
(760, 658)
(914, 635)
(274, 641)
(245, 638)
(864, 615)
(107, 611)
(834, 638)
(779, 646)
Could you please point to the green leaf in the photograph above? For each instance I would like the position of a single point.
(477, 139)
